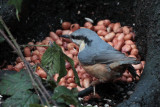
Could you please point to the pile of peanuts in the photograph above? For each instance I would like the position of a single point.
(121, 38)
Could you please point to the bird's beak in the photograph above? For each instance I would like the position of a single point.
(78, 42)
(66, 36)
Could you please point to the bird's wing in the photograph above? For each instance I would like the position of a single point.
(110, 56)
(115, 58)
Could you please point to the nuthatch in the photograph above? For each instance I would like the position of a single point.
(100, 59)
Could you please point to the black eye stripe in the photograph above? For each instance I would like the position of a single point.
(81, 37)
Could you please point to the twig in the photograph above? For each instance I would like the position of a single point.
(43, 88)
(16, 47)
(38, 83)
(47, 74)
(34, 45)
(25, 62)
(11, 44)
(39, 97)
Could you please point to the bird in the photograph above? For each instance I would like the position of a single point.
(100, 59)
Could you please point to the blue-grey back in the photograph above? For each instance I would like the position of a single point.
(98, 51)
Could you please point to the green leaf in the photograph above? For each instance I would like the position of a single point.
(35, 105)
(48, 61)
(17, 4)
(64, 95)
(54, 61)
(6, 72)
(21, 99)
(10, 84)
(74, 70)
(63, 70)
(1, 39)
(47, 57)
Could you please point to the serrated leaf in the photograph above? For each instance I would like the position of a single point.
(74, 70)
(51, 60)
(21, 99)
(54, 58)
(47, 62)
(11, 84)
(63, 70)
(56, 62)
(6, 72)
(47, 57)
(64, 95)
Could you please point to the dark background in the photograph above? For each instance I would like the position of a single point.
(39, 17)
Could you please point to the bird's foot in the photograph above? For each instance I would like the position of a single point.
(94, 83)
(94, 90)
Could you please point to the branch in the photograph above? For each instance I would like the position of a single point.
(33, 45)
(12, 45)
(34, 79)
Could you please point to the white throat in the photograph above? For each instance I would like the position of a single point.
(82, 46)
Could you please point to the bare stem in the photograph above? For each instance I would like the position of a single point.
(34, 45)
(11, 44)
(34, 79)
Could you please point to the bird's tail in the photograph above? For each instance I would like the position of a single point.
(132, 71)
(130, 67)
(128, 64)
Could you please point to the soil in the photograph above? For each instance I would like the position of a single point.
(39, 17)
(109, 94)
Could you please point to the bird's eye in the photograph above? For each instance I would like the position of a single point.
(77, 37)
(72, 36)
